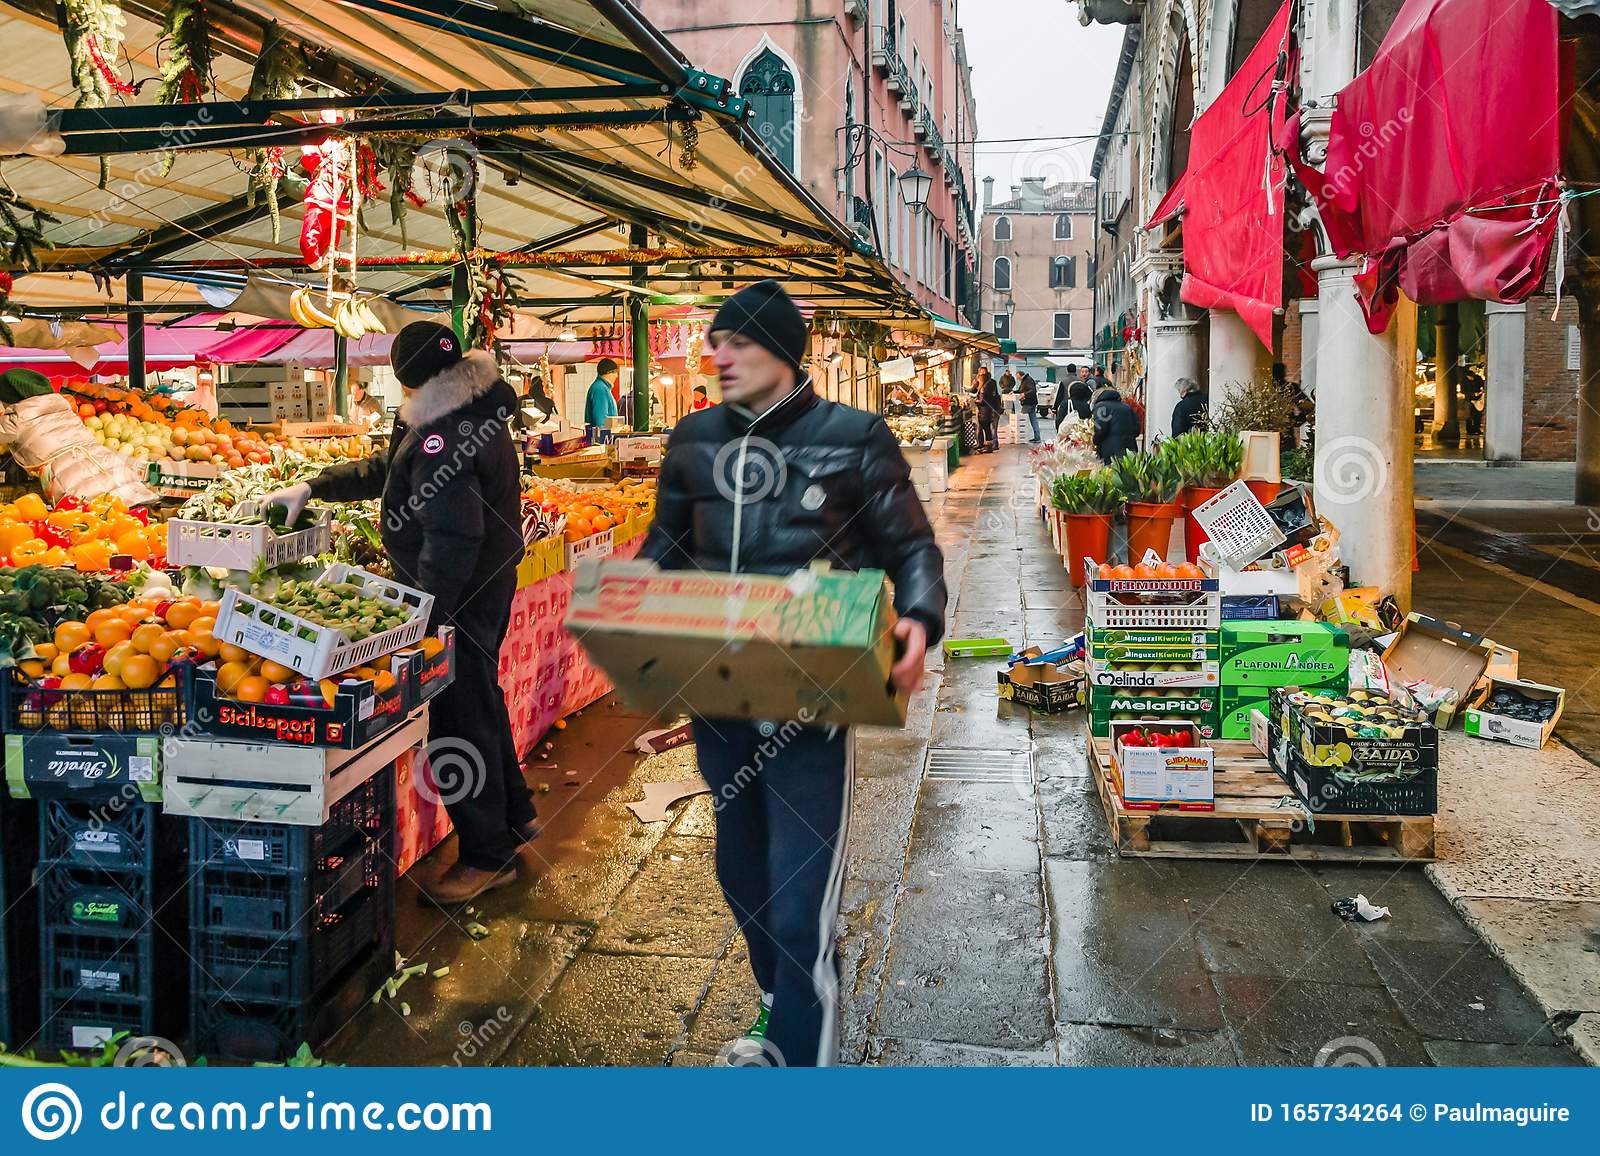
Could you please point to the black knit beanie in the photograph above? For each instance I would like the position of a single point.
(422, 350)
(767, 315)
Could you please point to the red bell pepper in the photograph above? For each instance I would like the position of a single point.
(51, 535)
(1134, 739)
(89, 658)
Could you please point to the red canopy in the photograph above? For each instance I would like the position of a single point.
(193, 341)
(1233, 191)
(1171, 205)
(1445, 154)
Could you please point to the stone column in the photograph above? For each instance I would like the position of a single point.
(1502, 402)
(1588, 447)
(1364, 441)
(1172, 351)
(1446, 370)
(1308, 346)
(1237, 356)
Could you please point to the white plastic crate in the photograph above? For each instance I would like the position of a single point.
(191, 542)
(320, 651)
(1204, 613)
(1238, 526)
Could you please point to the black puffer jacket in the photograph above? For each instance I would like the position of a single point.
(1116, 429)
(452, 508)
(821, 482)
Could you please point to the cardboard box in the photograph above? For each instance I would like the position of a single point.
(83, 767)
(1198, 707)
(1152, 777)
(813, 646)
(1284, 653)
(1483, 722)
(1348, 772)
(1193, 676)
(1051, 689)
(1348, 609)
(1260, 732)
(1427, 650)
(1403, 789)
(1235, 704)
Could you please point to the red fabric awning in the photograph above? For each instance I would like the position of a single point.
(1171, 205)
(192, 341)
(1233, 191)
(1445, 155)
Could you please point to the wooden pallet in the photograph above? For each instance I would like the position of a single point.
(1256, 816)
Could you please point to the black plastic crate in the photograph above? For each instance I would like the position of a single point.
(1325, 791)
(1250, 607)
(367, 812)
(292, 966)
(288, 902)
(27, 709)
(19, 922)
(84, 1021)
(265, 1031)
(118, 836)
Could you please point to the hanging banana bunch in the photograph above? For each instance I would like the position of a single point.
(352, 317)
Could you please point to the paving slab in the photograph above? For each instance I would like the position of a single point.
(866, 917)
(1584, 1036)
(1451, 1054)
(909, 1053)
(729, 1004)
(612, 1010)
(967, 961)
(672, 906)
(1279, 1022)
(1552, 948)
(1072, 820)
(1110, 1046)
(1277, 922)
(1125, 952)
(1456, 991)
(880, 827)
(978, 827)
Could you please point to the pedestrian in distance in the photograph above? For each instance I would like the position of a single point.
(1063, 408)
(600, 405)
(701, 401)
(1080, 394)
(990, 406)
(1116, 430)
(843, 493)
(1030, 403)
(1190, 412)
(452, 527)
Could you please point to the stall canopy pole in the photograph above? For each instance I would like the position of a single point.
(639, 327)
(460, 296)
(135, 287)
(341, 376)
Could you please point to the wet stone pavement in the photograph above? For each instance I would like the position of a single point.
(986, 918)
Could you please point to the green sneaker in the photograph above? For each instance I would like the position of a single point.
(750, 1049)
(758, 1030)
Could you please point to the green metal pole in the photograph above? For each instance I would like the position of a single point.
(341, 377)
(135, 287)
(639, 326)
(459, 300)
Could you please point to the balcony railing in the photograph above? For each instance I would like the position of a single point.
(933, 139)
(884, 56)
(861, 215)
(901, 77)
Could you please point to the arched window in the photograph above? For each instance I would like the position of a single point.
(1063, 273)
(1002, 273)
(1002, 228)
(769, 87)
(1063, 227)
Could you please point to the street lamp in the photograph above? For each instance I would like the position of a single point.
(914, 187)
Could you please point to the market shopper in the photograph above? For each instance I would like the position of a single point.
(990, 406)
(1116, 429)
(600, 406)
(452, 527)
(1030, 403)
(769, 481)
(1190, 412)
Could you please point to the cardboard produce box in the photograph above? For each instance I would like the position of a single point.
(1342, 767)
(1110, 704)
(1235, 704)
(1042, 686)
(1284, 653)
(813, 646)
(1488, 719)
(1153, 777)
(1441, 655)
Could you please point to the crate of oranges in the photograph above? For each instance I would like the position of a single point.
(247, 696)
(120, 670)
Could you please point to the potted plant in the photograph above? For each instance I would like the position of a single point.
(1087, 502)
(1257, 413)
(1151, 485)
(1206, 461)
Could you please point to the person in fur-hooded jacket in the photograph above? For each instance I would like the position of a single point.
(452, 526)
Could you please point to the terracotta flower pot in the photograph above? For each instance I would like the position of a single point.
(1193, 535)
(1088, 536)
(1264, 491)
(1150, 528)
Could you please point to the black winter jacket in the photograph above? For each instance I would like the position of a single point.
(452, 506)
(820, 482)
(1116, 429)
(1030, 394)
(1186, 414)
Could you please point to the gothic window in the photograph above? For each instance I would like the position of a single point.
(769, 87)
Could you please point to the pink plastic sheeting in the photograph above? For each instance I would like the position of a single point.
(1445, 154)
(190, 342)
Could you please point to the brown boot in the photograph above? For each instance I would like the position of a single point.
(461, 883)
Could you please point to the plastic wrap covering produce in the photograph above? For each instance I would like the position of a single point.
(46, 437)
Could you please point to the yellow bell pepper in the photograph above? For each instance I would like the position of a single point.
(31, 507)
(30, 552)
(91, 555)
(54, 556)
(77, 524)
(12, 535)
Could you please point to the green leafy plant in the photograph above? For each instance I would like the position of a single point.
(1208, 458)
(1147, 477)
(1096, 493)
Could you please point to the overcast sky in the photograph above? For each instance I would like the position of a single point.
(1036, 72)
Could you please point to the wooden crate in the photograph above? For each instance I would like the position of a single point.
(1256, 817)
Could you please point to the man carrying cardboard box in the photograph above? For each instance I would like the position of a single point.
(768, 482)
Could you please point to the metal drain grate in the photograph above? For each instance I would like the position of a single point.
(955, 764)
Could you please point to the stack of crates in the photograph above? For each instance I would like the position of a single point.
(1153, 651)
(1260, 657)
(111, 922)
(291, 927)
(19, 923)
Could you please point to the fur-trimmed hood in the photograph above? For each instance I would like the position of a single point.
(456, 388)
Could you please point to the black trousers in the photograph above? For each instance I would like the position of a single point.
(781, 792)
(988, 436)
(470, 748)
